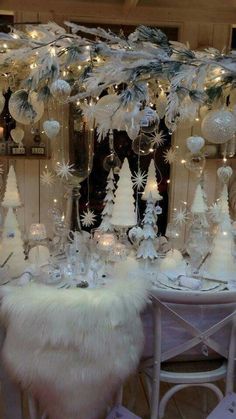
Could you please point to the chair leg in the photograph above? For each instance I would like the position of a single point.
(156, 367)
(33, 411)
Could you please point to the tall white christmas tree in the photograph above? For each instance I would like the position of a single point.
(12, 243)
(123, 213)
(146, 249)
(221, 263)
(109, 202)
(11, 196)
(198, 205)
(151, 185)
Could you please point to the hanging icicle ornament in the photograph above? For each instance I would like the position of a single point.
(161, 104)
(224, 173)
(112, 161)
(47, 178)
(139, 179)
(60, 90)
(51, 128)
(64, 170)
(88, 218)
(219, 126)
(195, 143)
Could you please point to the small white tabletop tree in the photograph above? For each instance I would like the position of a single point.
(151, 185)
(11, 196)
(146, 249)
(108, 204)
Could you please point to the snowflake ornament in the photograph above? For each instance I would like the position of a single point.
(64, 170)
(159, 138)
(88, 218)
(47, 178)
(181, 216)
(170, 155)
(139, 179)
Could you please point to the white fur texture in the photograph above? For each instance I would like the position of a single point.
(72, 349)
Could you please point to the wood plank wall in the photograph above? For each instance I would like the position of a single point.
(37, 198)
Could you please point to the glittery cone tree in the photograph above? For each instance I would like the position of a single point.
(11, 196)
(108, 204)
(123, 213)
(146, 249)
(151, 185)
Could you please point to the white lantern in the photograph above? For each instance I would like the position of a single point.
(60, 90)
(219, 126)
(195, 143)
(51, 128)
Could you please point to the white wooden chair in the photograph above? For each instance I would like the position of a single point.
(217, 334)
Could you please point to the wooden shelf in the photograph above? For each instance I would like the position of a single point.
(13, 157)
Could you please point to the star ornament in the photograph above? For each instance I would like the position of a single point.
(181, 216)
(159, 138)
(64, 170)
(47, 178)
(88, 218)
(139, 179)
(170, 156)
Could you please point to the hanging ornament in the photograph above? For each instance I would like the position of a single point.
(158, 210)
(142, 145)
(60, 90)
(65, 170)
(161, 104)
(135, 235)
(195, 163)
(224, 173)
(17, 134)
(170, 155)
(219, 126)
(51, 128)
(139, 179)
(195, 143)
(150, 120)
(88, 218)
(112, 161)
(25, 107)
(2, 102)
(47, 178)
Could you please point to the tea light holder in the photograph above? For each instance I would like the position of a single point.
(37, 232)
(106, 242)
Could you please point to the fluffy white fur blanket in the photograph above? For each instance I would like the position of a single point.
(72, 349)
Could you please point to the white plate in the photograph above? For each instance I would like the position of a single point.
(207, 285)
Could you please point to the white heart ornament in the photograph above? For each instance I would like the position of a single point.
(195, 143)
(17, 134)
(51, 128)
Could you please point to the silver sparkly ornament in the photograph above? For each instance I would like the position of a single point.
(219, 126)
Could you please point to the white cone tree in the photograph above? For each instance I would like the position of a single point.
(198, 205)
(123, 213)
(108, 204)
(146, 249)
(11, 196)
(12, 243)
(151, 185)
(221, 263)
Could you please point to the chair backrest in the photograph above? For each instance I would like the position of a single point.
(185, 320)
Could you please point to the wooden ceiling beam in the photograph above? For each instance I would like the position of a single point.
(114, 13)
(129, 5)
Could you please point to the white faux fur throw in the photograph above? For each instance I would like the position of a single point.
(72, 349)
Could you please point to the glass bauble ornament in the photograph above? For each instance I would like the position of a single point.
(51, 128)
(142, 145)
(60, 90)
(150, 120)
(112, 161)
(219, 126)
(195, 143)
(195, 162)
(25, 107)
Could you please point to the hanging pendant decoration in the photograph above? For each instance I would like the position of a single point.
(219, 126)
(224, 173)
(195, 143)
(25, 107)
(17, 134)
(51, 128)
(60, 90)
